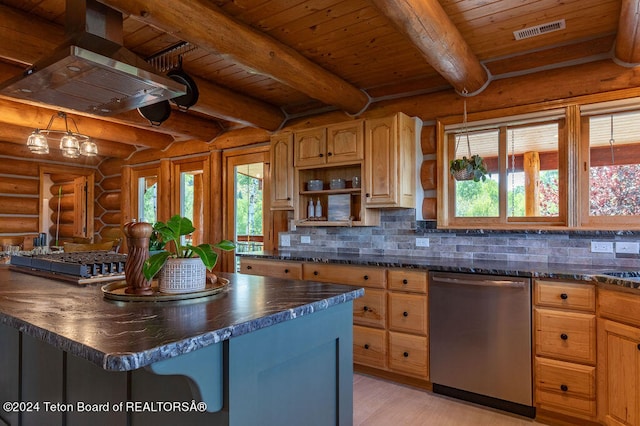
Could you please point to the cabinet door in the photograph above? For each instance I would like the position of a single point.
(345, 142)
(369, 346)
(618, 373)
(310, 147)
(282, 172)
(408, 354)
(408, 313)
(569, 336)
(271, 268)
(380, 160)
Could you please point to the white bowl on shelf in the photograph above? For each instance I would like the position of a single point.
(315, 185)
(337, 184)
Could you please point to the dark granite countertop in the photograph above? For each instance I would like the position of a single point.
(628, 277)
(123, 336)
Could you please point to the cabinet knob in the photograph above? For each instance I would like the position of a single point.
(564, 388)
(405, 314)
(248, 266)
(321, 155)
(366, 277)
(564, 296)
(406, 354)
(367, 195)
(365, 308)
(315, 272)
(564, 336)
(286, 271)
(288, 198)
(639, 346)
(405, 281)
(329, 154)
(366, 346)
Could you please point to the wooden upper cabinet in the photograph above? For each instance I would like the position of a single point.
(390, 161)
(282, 172)
(345, 142)
(335, 144)
(311, 147)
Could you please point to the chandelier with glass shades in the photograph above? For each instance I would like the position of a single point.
(72, 144)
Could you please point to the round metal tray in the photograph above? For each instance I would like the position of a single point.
(116, 291)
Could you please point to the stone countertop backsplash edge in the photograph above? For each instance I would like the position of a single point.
(585, 273)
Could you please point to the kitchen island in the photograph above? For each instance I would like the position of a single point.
(264, 351)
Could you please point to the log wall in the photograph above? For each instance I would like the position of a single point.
(19, 198)
(107, 211)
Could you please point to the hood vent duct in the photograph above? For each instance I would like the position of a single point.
(92, 72)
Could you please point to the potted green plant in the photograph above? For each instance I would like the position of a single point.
(471, 168)
(183, 267)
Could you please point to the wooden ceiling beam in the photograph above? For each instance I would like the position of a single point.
(210, 29)
(627, 48)
(32, 116)
(427, 25)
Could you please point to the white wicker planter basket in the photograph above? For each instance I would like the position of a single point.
(182, 276)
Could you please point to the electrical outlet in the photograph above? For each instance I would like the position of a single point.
(601, 247)
(285, 240)
(422, 242)
(631, 248)
(305, 239)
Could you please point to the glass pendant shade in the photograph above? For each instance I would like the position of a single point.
(70, 146)
(89, 148)
(37, 143)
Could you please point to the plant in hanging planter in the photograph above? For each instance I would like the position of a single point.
(196, 259)
(472, 168)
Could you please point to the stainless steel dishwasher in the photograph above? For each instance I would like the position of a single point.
(480, 339)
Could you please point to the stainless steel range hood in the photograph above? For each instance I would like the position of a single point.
(92, 72)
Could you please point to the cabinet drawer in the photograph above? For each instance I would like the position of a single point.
(370, 309)
(565, 295)
(565, 335)
(345, 274)
(566, 378)
(369, 346)
(408, 313)
(408, 354)
(407, 280)
(619, 305)
(271, 268)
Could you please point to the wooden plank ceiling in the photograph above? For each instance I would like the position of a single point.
(261, 63)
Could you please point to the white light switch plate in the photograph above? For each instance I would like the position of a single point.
(305, 239)
(285, 240)
(631, 248)
(601, 247)
(422, 242)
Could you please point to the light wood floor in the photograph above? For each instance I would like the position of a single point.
(377, 402)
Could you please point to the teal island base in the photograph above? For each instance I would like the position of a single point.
(296, 372)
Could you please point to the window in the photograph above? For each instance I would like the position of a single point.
(524, 184)
(613, 172)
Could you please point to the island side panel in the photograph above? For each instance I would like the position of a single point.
(42, 381)
(298, 372)
(9, 371)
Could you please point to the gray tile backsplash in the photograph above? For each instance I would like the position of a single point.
(396, 236)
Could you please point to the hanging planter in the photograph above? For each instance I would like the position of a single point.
(471, 167)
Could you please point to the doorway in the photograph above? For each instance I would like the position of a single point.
(247, 198)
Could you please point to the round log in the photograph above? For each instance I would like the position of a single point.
(111, 166)
(429, 208)
(428, 175)
(66, 203)
(66, 216)
(19, 225)
(67, 188)
(62, 177)
(428, 140)
(111, 217)
(111, 183)
(19, 167)
(10, 185)
(18, 205)
(66, 231)
(110, 200)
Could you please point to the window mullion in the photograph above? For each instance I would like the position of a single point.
(503, 186)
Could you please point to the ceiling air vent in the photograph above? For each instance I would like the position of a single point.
(539, 29)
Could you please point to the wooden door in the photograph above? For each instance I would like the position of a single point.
(345, 142)
(380, 160)
(282, 172)
(618, 373)
(310, 147)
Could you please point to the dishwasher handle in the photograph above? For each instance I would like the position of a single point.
(479, 281)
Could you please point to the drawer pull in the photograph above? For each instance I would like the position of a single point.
(564, 388)
(329, 154)
(321, 155)
(639, 346)
(366, 308)
(248, 266)
(564, 296)
(366, 346)
(315, 272)
(405, 314)
(564, 336)
(286, 271)
(366, 277)
(406, 354)
(405, 281)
